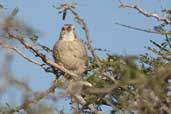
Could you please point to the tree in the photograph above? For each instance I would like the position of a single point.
(126, 84)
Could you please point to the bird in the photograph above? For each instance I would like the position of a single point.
(70, 51)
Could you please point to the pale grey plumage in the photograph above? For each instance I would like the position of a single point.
(70, 51)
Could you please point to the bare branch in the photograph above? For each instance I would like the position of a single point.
(6, 71)
(3, 44)
(20, 53)
(85, 28)
(145, 13)
(21, 84)
(168, 40)
(38, 97)
(144, 30)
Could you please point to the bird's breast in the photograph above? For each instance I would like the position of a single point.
(71, 53)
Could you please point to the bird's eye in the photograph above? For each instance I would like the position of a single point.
(63, 28)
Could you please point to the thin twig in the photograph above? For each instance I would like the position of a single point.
(144, 30)
(168, 40)
(20, 53)
(110, 77)
(6, 71)
(145, 13)
(85, 28)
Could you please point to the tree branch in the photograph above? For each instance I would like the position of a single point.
(3, 44)
(90, 106)
(145, 13)
(144, 30)
(38, 97)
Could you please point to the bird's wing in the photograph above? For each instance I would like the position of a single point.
(82, 50)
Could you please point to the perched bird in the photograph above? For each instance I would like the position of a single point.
(70, 51)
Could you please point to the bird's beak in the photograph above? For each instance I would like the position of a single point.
(69, 28)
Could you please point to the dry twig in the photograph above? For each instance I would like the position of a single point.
(3, 44)
(145, 13)
(6, 71)
(144, 30)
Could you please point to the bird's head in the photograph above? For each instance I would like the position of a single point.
(68, 32)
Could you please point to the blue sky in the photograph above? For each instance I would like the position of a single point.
(100, 16)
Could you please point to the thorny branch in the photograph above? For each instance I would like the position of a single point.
(166, 20)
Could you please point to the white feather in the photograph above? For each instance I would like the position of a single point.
(69, 36)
